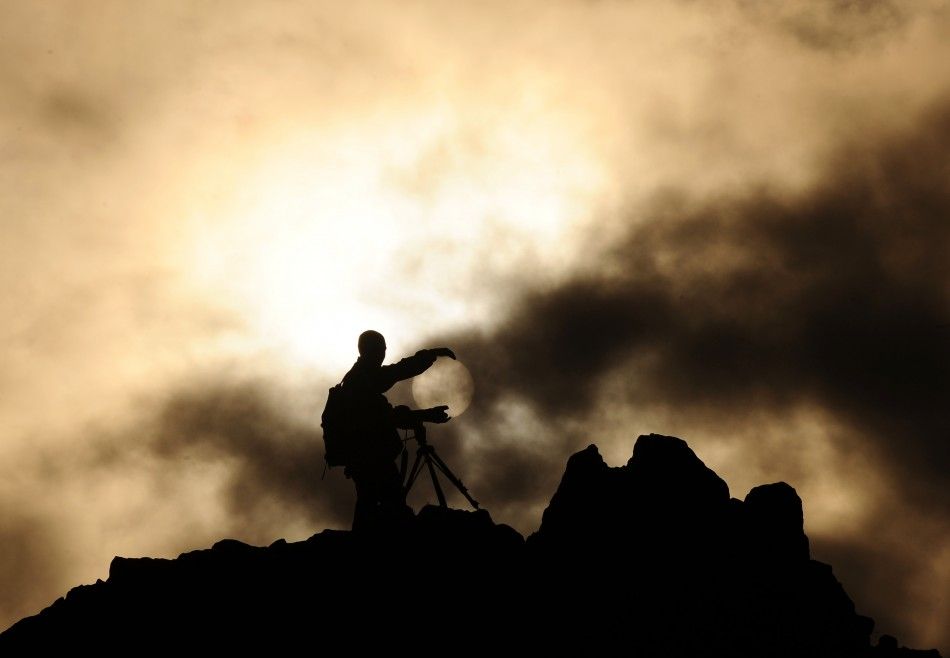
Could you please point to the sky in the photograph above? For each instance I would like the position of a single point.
(723, 220)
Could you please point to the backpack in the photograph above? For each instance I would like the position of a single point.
(336, 421)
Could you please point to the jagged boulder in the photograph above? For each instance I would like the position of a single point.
(663, 531)
(776, 524)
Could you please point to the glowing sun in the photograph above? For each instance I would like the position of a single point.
(447, 382)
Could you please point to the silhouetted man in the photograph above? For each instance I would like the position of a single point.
(376, 442)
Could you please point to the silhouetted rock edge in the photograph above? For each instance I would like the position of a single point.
(654, 553)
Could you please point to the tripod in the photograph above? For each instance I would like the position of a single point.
(425, 456)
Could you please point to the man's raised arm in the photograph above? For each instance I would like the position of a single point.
(411, 366)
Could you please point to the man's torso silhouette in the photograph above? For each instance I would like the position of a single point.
(376, 442)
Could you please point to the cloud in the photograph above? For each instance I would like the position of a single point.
(887, 579)
(273, 459)
(31, 562)
(832, 24)
(839, 297)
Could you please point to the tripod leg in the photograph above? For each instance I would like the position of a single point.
(413, 473)
(403, 464)
(435, 480)
(452, 478)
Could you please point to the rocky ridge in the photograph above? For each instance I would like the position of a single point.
(653, 558)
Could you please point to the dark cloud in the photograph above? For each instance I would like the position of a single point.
(509, 479)
(880, 578)
(274, 460)
(31, 562)
(839, 297)
(72, 111)
(832, 24)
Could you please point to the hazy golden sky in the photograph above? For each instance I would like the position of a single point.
(721, 219)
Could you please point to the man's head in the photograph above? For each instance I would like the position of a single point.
(372, 346)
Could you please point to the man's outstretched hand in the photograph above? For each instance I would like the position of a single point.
(435, 414)
(442, 351)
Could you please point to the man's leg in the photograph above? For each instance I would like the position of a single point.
(367, 500)
(392, 498)
(379, 494)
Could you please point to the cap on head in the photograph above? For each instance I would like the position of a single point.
(371, 343)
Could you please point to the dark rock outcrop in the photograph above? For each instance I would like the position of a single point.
(652, 558)
(776, 524)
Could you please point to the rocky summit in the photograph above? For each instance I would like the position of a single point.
(653, 558)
